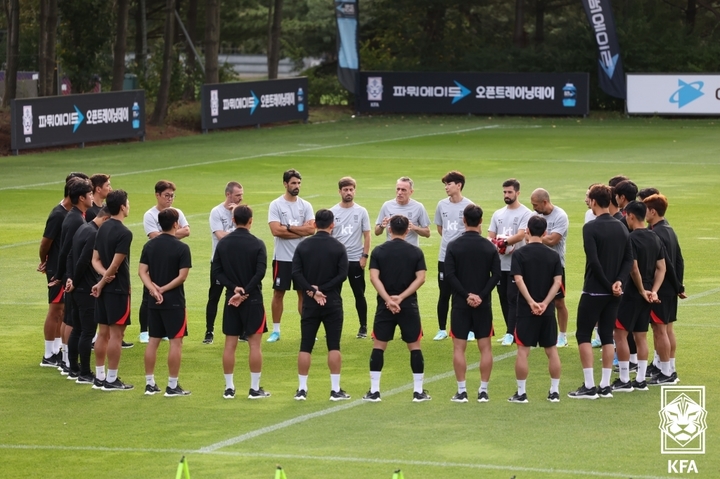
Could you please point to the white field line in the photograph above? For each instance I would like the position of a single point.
(264, 155)
(391, 462)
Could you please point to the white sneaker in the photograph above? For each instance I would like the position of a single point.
(274, 337)
(508, 340)
(471, 336)
(596, 343)
(144, 337)
(562, 342)
(442, 334)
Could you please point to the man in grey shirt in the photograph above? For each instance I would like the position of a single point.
(407, 207)
(449, 222)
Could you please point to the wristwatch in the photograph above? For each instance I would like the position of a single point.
(365, 255)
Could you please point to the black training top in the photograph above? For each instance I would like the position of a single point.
(647, 251)
(397, 261)
(80, 269)
(472, 265)
(240, 261)
(165, 256)
(538, 265)
(320, 260)
(608, 254)
(92, 212)
(73, 221)
(113, 238)
(674, 262)
(53, 230)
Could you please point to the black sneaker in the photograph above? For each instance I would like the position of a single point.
(73, 375)
(621, 387)
(51, 362)
(483, 396)
(460, 397)
(639, 386)
(127, 345)
(651, 371)
(584, 393)
(372, 396)
(605, 392)
(116, 385)
(177, 391)
(229, 394)
(259, 394)
(243, 338)
(64, 370)
(674, 377)
(151, 389)
(209, 336)
(300, 395)
(661, 379)
(421, 397)
(633, 366)
(518, 398)
(362, 332)
(98, 383)
(553, 397)
(85, 379)
(339, 395)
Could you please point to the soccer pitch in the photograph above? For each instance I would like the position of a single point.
(53, 427)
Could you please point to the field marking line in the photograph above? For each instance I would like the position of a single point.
(324, 412)
(699, 295)
(264, 155)
(394, 462)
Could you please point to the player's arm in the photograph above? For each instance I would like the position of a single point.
(220, 234)
(557, 284)
(517, 237)
(176, 282)
(382, 222)
(340, 276)
(520, 283)
(423, 231)
(414, 286)
(280, 230)
(627, 263)
(260, 268)
(153, 234)
(45, 245)
(439, 229)
(117, 260)
(85, 259)
(637, 279)
(183, 232)
(590, 247)
(552, 239)
(219, 273)
(366, 249)
(451, 274)
(660, 269)
(495, 273)
(378, 285)
(97, 263)
(297, 272)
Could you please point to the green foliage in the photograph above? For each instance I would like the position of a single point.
(324, 87)
(185, 115)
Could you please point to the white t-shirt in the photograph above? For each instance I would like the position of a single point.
(449, 215)
(350, 224)
(413, 211)
(151, 224)
(293, 213)
(557, 222)
(589, 216)
(220, 220)
(505, 223)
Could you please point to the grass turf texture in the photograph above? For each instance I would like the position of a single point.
(50, 424)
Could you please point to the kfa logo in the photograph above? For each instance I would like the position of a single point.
(374, 88)
(682, 420)
(682, 466)
(27, 120)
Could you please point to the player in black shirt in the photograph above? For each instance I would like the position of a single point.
(111, 260)
(239, 265)
(537, 271)
(319, 267)
(101, 188)
(397, 270)
(164, 266)
(640, 291)
(472, 269)
(607, 265)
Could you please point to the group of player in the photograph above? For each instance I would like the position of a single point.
(633, 278)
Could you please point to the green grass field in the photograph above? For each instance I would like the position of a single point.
(50, 427)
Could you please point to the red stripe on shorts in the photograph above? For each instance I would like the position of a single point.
(125, 317)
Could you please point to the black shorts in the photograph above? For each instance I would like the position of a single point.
(600, 310)
(561, 292)
(113, 309)
(478, 320)
(282, 275)
(248, 318)
(55, 293)
(68, 313)
(664, 312)
(167, 323)
(331, 317)
(536, 331)
(408, 319)
(633, 315)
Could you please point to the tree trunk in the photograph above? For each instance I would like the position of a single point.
(118, 75)
(539, 21)
(269, 28)
(190, 66)
(42, 46)
(50, 60)
(161, 105)
(140, 38)
(690, 13)
(212, 41)
(274, 53)
(12, 13)
(519, 32)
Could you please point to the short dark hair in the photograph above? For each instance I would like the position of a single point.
(602, 194)
(473, 215)
(617, 179)
(627, 189)
(290, 174)
(115, 200)
(657, 202)
(103, 212)
(78, 187)
(98, 180)
(163, 185)
(512, 182)
(242, 214)
(637, 209)
(454, 177)
(537, 225)
(399, 224)
(230, 187)
(74, 174)
(167, 218)
(346, 181)
(645, 192)
(324, 218)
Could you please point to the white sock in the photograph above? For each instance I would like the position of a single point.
(633, 358)
(57, 344)
(656, 360)
(642, 369)
(48, 349)
(462, 386)
(605, 379)
(150, 379)
(111, 375)
(672, 364)
(483, 386)
(172, 383)
(597, 335)
(375, 381)
(521, 386)
(302, 381)
(562, 336)
(589, 379)
(94, 338)
(665, 368)
(624, 367)
(255, 381)
(229, 384)
(555, 385)
(100, 372)
(65, 356)
(276, 328)
(335, 382)
(418, 382)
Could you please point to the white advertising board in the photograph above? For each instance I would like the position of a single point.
(673, 94)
